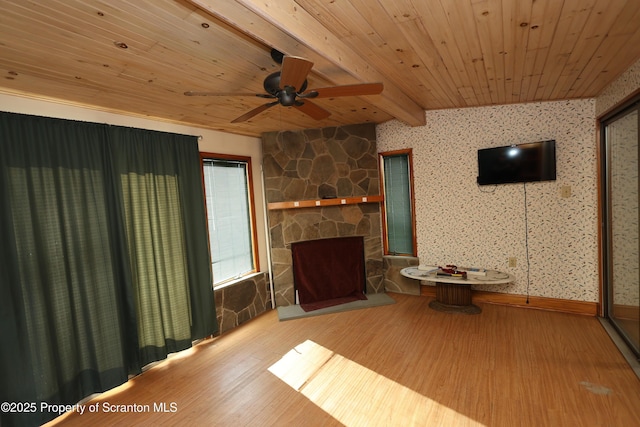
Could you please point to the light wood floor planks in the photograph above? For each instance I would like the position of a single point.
(402, 364)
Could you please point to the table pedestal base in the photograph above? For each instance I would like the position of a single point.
(454, 298)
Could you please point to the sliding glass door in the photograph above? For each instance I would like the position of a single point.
(621, 222)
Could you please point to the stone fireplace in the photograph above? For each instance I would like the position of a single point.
(322, 183)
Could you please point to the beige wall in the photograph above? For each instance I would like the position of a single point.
(460, 223)
(210, 141)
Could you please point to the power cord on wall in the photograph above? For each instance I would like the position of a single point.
(526, 229)
(526, 235)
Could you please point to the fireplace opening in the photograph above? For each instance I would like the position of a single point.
(328, 272)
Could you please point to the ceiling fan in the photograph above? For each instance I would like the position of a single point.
(288, 87)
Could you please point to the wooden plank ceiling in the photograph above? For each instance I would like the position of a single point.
(139, 57)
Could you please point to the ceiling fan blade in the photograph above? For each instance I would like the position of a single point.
(196, 93)
(348, 90)
(294, 72)
(254, 112)
(313, 110)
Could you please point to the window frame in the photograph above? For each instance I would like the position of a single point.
(252, 214)
(408, 152)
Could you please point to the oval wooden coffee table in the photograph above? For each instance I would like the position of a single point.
(453, 294)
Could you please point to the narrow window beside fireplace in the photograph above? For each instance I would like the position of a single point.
(398, 211)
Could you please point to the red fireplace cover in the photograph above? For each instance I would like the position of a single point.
(329, 272)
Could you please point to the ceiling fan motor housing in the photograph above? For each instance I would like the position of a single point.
(287, 95)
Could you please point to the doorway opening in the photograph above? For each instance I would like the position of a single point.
(620, 191)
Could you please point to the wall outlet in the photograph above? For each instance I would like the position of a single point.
(512, 262)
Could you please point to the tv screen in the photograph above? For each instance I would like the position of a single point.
(534, 161)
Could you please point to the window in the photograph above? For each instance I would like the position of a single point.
(230, 216)
(398, 217)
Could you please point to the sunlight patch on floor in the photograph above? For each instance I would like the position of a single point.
(355, 395)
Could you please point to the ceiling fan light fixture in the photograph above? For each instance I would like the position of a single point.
(287, 96)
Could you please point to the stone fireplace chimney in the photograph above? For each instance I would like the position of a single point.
(322, 183)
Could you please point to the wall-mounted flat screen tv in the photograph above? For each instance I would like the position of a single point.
(534, 161)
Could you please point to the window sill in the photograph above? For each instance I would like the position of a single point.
(238, 280)
(399, 256)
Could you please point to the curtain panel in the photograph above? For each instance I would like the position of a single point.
(104, 260)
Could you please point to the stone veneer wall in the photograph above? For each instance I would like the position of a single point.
(242, 301)
(314, 164)
(396, 282)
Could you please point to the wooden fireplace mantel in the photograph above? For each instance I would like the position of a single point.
(325, 202)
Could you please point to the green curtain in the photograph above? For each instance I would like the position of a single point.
(104, 263)
(159, 175)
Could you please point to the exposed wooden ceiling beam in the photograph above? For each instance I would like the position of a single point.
(284, 25)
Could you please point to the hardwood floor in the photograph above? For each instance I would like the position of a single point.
(402, 364)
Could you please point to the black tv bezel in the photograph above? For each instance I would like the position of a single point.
(548, 159)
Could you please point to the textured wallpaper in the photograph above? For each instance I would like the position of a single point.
(622, 87)
(459, 222)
